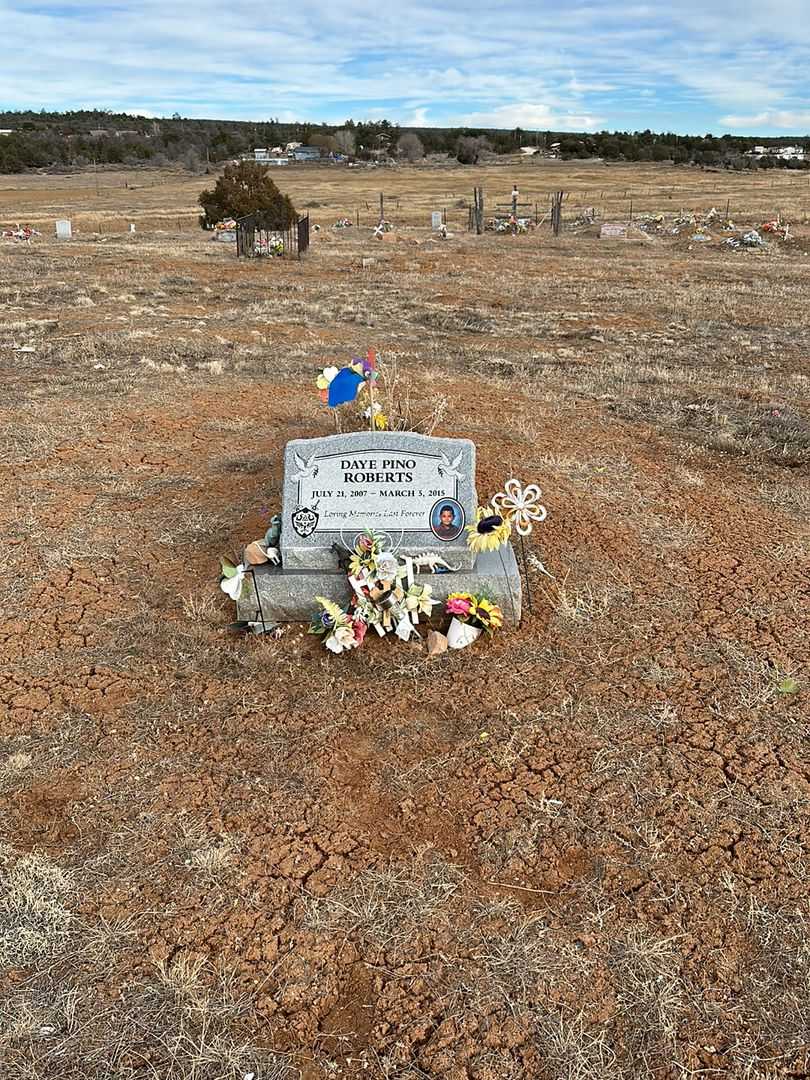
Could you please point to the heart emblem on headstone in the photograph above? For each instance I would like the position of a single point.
(305, 521)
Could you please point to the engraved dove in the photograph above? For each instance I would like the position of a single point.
(307, 470)
(450, 468)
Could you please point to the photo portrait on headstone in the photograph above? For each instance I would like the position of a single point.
(446, 519)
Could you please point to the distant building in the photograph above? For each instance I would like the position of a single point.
(529, 150)
(98, 133)
(126, 134)
(786, 153)
(267, 157)
(6, 131)
(307, 153)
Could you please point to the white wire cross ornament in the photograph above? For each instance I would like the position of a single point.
(521, 507)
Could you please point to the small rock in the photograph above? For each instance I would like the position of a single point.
(436, 643)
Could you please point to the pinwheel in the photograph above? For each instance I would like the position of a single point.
(520, 506)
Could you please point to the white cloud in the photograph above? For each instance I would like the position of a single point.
(574, 86)
(530, 115)
(454, 60)
(797, 122)
(418, 118)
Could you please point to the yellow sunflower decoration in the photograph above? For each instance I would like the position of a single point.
(489, 532)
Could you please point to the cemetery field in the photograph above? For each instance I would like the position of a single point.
(576, 850)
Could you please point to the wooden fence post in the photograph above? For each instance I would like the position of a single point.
(556, 211)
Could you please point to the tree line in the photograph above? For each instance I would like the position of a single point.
(81, 138)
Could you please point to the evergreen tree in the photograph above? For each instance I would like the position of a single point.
(244, 189)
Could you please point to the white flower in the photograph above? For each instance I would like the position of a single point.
(342, 637)
(232, 586)
(386, 564)
(520, 505)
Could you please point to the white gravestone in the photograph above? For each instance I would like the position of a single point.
(63, 230)
(436, 219)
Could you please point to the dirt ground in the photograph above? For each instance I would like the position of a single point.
(578, 850)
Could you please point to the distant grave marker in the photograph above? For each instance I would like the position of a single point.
(64, 230)
(436, 219)
(613, 231)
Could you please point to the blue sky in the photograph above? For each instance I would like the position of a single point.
(691, 66)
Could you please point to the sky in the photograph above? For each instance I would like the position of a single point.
(689, 66)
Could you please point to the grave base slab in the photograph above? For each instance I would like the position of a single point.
(289, 595)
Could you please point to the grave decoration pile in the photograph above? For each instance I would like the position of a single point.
(22, 233)
(385, 596)
(382, 530)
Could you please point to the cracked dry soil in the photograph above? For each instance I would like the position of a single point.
(578, 849)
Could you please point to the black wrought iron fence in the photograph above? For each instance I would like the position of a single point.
(255, 238)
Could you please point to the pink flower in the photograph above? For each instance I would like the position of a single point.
(359, 627)
(365, 543)
(458, 605)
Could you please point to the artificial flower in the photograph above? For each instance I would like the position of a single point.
(380, 419)
(489, 615)
(419, 598)
(334, 611)
(366, 553)
(477, 611)
(359, 626)
(341, 639)
(459, 604)
(233, 578)
(387, 565)
(520, 505)
(489, 532)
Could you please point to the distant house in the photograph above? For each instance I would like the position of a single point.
(786, 153)
(267, 157)
(6, 131)
(98, 133)
(126, 134)
(307, 153)
(290, 146)
(529, 150)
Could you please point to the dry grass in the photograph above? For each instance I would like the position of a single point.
(35, 917)
(389, 909)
